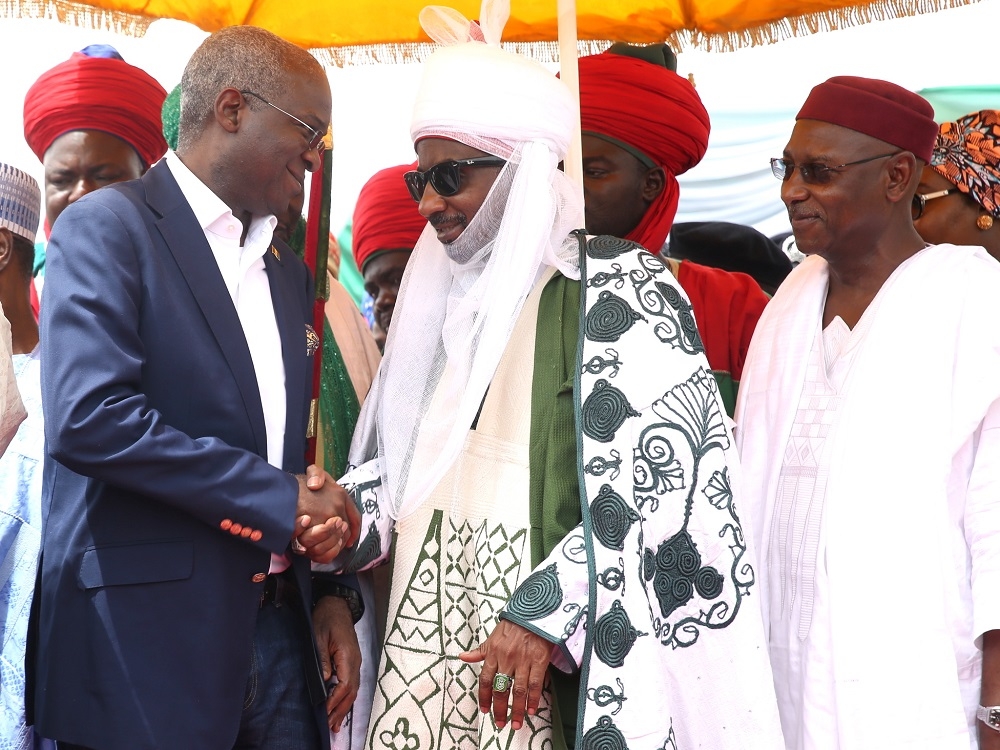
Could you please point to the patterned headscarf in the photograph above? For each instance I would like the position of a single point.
(967, 153)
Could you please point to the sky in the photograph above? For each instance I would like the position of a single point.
(372, 104)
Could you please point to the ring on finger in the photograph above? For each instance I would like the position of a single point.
(501, 682)
(297, 546)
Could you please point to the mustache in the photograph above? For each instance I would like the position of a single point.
(438, 219)
(800, 212)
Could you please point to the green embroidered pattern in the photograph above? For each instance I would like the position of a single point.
(539, 596)
(612, 518)
(427, 697)
(604, 736)
(609, 318)
(604, 411)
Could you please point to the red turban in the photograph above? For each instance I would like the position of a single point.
(652, 110)
(876, 108)
(96, 93)
(385, 216)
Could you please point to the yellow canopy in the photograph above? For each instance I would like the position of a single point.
(388, 29)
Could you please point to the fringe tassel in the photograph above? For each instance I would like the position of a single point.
(135, 24)
(805, 25)
(77, 14)
(416, 52)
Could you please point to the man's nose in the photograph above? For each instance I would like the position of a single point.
(430, 202)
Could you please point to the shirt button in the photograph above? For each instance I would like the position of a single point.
(259, 577)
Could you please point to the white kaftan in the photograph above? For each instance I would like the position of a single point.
(872, 467)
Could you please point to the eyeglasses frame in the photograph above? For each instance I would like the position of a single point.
(317, 138)
(785, 173)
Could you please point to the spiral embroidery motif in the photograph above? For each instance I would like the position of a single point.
(609, 318)
(604, 411)
(612, 518)
(614, 636)
(539, 596)
(676, 573)
(605, 247)
(367, 550)
(604, 736)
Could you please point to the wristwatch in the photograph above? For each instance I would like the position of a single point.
(990, 716)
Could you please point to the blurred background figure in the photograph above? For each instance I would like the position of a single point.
(92, 120)
(732, 247)
(643, 125)
(386, 227)
(958, 198)
(21, 464)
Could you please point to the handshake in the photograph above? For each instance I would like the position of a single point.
(326, 519)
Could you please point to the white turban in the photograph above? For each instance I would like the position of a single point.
(457, 305)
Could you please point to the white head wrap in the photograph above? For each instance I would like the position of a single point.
(457, 305)
(20, 202)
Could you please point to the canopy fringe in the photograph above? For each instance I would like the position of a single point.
(415, 52)
(77, 14)
(805, 25)
(134, 24)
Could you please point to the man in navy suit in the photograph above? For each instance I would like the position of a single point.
(173, 610)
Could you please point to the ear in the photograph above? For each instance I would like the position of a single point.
(229, 108)
(903, 171)
(6, 248)
(653, 183)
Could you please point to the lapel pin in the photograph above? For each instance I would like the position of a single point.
(275, 253)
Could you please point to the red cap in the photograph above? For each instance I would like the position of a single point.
(876, 108)
(385, 216)
(96, 93)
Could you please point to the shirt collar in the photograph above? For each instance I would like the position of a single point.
(207, 206)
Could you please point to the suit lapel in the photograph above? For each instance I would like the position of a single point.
(186, 241)
(288, 314)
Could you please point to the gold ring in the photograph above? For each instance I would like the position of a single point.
(501, 682)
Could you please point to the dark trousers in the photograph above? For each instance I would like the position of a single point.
(277, 713)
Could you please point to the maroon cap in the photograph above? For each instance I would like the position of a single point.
(880, 109)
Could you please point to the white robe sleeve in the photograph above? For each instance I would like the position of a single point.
(12, 411)
(364, 485)
(558, 618)
(982, 524)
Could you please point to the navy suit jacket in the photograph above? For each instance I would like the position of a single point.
(154, 428)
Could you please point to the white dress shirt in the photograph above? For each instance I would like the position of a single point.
(242, 268)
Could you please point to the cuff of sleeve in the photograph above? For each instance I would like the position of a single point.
(560, 658)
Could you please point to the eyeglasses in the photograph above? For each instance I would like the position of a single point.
(813, 173)
(920, 201)
(446, 177)
(316, 138)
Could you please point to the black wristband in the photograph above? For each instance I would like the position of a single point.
(323, 586)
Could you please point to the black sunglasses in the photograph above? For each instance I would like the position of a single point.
(446, 177)
(920, 201)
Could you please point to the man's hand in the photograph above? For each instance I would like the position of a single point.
(326, 518)
(522, 656)
(339, 654)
